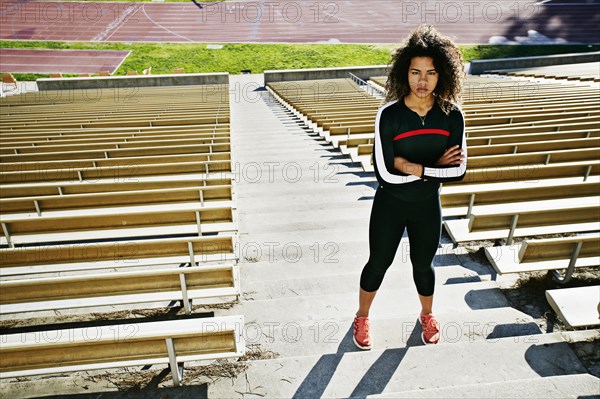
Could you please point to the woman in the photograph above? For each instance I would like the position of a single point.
(419, 143)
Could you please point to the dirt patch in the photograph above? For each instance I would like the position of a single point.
(48, 321)
(219, 306)
(529, 295)
(71, 321)
(257, 352)
(148, 381)
(476, 250)
(555, 235)
(589, 354)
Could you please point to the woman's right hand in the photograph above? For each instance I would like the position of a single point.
(452, 156)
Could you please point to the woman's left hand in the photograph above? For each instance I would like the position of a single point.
(452, 156)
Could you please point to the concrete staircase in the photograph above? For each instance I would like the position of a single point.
(303, 222)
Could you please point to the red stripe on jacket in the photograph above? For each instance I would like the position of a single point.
(421, 131)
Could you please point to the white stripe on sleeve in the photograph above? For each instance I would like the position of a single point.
(380, 162)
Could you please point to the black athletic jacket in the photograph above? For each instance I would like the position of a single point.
(399, 131)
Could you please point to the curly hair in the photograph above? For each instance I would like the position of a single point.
(426, 41)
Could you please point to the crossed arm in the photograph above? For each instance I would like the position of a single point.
(393, 169)
(453, 156)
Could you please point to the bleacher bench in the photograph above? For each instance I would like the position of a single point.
(175, 284)
(124, 345)
(576, 307)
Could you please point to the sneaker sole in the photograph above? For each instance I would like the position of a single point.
(423, 336)
(361, 347)
(428, 343)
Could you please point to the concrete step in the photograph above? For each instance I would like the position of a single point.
(284, 140)
(327, 156)
(272, 129)
(323, 158)
(354, 191)
(553, 387)
(280, 158)
(298, 303)
(268, 126)
(339, 235)
(326, 177)
(265, 221)
(305, 227)
(329, 336)
(309, 202)
(398, 277)
(335, 234)
(359, 374)
(295, 190)
(266, 119)
(281, 260)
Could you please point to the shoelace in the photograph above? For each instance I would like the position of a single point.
(432, 325)
(365, 325)
(430, 322)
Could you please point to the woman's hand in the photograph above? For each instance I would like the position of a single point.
(452, 156)
(407, 167)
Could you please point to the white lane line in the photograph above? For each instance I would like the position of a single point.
(128, 12)
(162, 27)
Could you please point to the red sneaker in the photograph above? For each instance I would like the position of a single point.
(431, 329)
(361, 336)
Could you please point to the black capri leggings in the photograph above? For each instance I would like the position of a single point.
(389, 217)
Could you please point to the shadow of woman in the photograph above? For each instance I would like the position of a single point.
(374, 381)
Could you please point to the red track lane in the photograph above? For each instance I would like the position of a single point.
(295, 21)
(63, 61)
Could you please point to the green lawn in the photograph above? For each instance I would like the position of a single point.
(233, 58)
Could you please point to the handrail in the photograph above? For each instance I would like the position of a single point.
(366, 86)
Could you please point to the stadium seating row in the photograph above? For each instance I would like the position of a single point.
(111, 202)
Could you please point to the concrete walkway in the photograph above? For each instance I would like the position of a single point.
(303, 224)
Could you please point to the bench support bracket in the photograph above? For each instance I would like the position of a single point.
(7, 235)
(176, 369)
(191, 251)
(513, 226)
(471, 203)
(570, 269)
(184, 293)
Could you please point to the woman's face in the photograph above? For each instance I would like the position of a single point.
(422, 76)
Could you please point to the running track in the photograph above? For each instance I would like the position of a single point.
(63, 61)
(296, 21)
